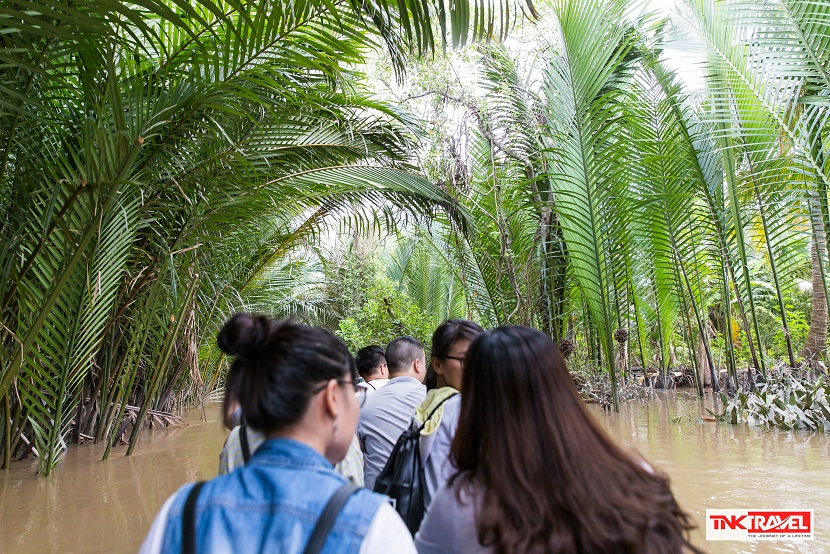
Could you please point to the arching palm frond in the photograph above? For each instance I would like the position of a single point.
(761, 64)
(143, 144)
(583, 112)
(422, 266)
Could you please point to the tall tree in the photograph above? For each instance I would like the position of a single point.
(156, 157)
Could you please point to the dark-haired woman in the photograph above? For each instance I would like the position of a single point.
(536, 473)
(449, 348)
(295, 383)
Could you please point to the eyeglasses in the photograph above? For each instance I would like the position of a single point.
(459, 358)
(359, 392)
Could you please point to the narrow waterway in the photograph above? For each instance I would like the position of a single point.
(718, 465)
(89, 505)
(92, 506)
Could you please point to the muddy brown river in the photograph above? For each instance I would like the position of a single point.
(88, 505)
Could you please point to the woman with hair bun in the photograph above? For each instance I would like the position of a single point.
(536, 474)
(295, 383)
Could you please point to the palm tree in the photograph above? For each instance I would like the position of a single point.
(664, 200)
(773, 99)
(156, 159)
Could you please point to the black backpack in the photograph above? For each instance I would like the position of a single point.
(402, 478)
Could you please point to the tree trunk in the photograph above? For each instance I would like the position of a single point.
(817, 336)
(704, 370)
(622, 360)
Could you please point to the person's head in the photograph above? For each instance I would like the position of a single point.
(292, 380)
(449, 349)
(431, 380)
(551, 478)
(371, 363)
(405, 357)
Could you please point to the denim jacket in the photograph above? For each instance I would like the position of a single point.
(272, 504)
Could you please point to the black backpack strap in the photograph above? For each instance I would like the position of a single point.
(243, 442)
(435, 409)
(189, 519)
(326, 520)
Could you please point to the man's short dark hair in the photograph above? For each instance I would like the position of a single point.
(401, 352)
(369, 359)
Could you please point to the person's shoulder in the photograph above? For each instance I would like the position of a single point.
(154, 541)
(461, 491)
(450, 524)
(174, 506)
(453, 403)
(367, 502)
(372, 497)
(390, 392)
(254, 436)
(387, 533)
(412, 389)
(450, 415)
(231, 456)
(403, 382)
(371, 406)
(233, 436)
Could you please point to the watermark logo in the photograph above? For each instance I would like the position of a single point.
(758, 525)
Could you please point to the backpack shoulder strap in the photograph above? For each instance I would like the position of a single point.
(326, 520)
(435, 409)
(189, 519)
(244, 444)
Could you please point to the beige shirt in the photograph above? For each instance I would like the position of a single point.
(351, 467)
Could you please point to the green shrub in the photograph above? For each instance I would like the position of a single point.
(374, 311)
(785, 402)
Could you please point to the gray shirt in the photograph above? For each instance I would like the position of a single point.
(386, 414)
(435, 448)
(450, 524)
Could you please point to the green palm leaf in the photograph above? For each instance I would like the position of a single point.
(582, 110)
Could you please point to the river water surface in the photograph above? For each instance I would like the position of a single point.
(88, 505)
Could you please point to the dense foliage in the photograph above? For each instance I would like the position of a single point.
(371, 309)
(164, 163)
(606, 195)
(786, 402)
(157, 159)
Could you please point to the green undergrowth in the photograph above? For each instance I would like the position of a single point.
(595, 387)
(785, 401)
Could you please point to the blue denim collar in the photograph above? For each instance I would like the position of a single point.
(271, 505)
(288, 453)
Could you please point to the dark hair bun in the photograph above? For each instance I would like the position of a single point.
(244, 335)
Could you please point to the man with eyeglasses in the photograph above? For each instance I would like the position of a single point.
(372, 367)
(389, 410)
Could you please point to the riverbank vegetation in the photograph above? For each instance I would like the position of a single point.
(165, 164)
(159, 159)
(785, 401)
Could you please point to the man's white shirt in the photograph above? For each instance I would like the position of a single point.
(373, 385)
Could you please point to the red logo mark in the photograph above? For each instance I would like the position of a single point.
(766, 521)
(728, 522)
